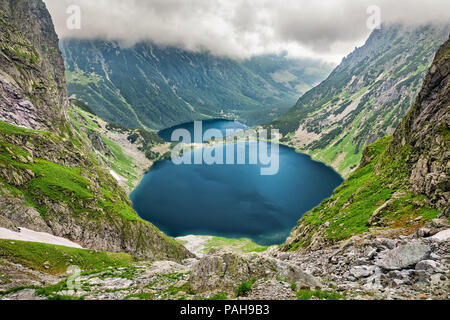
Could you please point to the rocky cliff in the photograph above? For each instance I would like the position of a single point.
(32, 84)
(50, 178)
(364, 98)
(425, 133)
(402, 182)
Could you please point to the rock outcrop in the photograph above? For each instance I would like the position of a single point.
(224, 271)
(425, 133)
(33, 90)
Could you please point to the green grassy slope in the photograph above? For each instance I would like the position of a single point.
(380, 183)
(53, 259)
(42, 181)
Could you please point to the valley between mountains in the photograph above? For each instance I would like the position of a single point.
(75, 141)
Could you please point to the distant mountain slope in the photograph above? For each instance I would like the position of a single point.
(156, 87)
(365, 96)
(51, 180)
(402, 181)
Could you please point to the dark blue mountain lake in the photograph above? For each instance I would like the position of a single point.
(234, 201)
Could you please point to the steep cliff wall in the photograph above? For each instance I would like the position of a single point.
(425, 131)
(32, 84)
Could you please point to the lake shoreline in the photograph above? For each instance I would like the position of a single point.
(238, 200)
(240, 137)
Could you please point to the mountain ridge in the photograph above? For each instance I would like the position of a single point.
(32, 73)
(172, 86)
(364, 98)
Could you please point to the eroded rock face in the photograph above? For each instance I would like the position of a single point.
(425, 131)
(32, 81)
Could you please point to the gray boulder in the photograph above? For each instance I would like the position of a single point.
(426, 265)
(442, 236)
(403, 256)
(362, 271)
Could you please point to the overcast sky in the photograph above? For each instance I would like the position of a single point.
(326, 29)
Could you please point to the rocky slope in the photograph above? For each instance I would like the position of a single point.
(154, 87)
(425, 134)
(51, 180)
(364, 98)
(364, 267)
(402, 181)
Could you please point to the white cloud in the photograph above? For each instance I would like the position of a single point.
(327, 29)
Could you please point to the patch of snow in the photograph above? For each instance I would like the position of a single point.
(33, 236)
(115, 175)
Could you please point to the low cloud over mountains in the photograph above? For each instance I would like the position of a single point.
(326, 29)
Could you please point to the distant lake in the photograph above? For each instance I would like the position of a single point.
(222, 125)
(233, 201)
